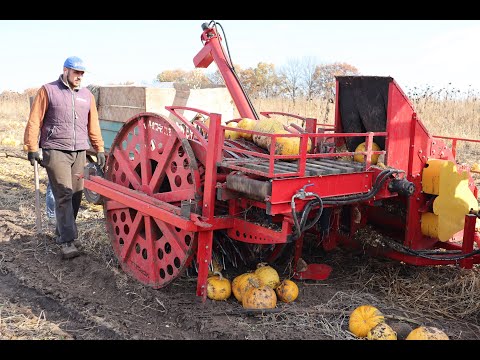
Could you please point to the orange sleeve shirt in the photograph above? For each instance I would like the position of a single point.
(35, 122)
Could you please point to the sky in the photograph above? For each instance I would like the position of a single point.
(435, 53)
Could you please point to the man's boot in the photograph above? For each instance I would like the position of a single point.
(69, 250)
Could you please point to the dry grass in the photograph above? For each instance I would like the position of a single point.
(20, 323)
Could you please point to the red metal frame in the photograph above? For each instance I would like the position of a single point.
(403, 131)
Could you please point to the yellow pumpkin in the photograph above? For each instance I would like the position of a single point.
(382, 331)
(363, 319)
(262, 297)
(218, 287)
(243, 282)
(427, 333)
(269, 126)
(246, 124)
(267, 275)
(232, 134)
(361, 158)
(287, 291)
(283, 145)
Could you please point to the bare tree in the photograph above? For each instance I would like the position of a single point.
(215, 76)
(290, 75)
(309, 81)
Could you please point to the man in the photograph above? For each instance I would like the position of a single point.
(63, 117)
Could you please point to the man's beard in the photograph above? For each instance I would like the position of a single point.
(72, 85)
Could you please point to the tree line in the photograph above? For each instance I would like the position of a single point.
(299, 78)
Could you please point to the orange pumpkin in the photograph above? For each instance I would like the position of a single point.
(382, 331)
(427, 333)
(218, 287)
(262, 297)
(363, 319)
(243, 282)
(287, 291)
(267, 275)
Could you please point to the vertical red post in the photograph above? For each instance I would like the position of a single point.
(311, 128)
(454, 147)
(298, 252)
(467, 244)
(369, 147)
(205, 238)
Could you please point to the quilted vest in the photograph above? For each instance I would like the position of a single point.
(65, 125)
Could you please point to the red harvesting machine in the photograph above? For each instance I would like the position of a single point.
(174, 191)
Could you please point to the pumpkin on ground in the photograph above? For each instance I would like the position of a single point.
(267, 275)
(243, 282)
(361, 158)
(262, 297)
(382, 331)
(218, 287)
(363, 319)
(287, 291)
(427, 333)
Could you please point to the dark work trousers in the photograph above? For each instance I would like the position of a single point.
(62, 169)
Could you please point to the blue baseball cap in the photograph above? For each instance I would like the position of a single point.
(75, 63)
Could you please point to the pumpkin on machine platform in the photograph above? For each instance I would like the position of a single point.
(246, 124)
(361, 158)
(283, 145)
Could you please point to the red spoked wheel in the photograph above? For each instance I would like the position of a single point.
(151, 154)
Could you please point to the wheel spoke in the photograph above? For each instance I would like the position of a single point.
(131, 237)
(169, 234)
(146, 168)
(164, 160)
(125, 164)
(151, 246)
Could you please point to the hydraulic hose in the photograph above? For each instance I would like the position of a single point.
(302, 225)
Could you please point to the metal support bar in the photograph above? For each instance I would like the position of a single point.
(467, 244)
(205, 238)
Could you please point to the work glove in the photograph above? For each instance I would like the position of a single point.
(34, 155)
(101, 159)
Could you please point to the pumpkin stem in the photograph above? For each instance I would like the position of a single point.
(219, 274)
(262, 264)
(254, 282)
